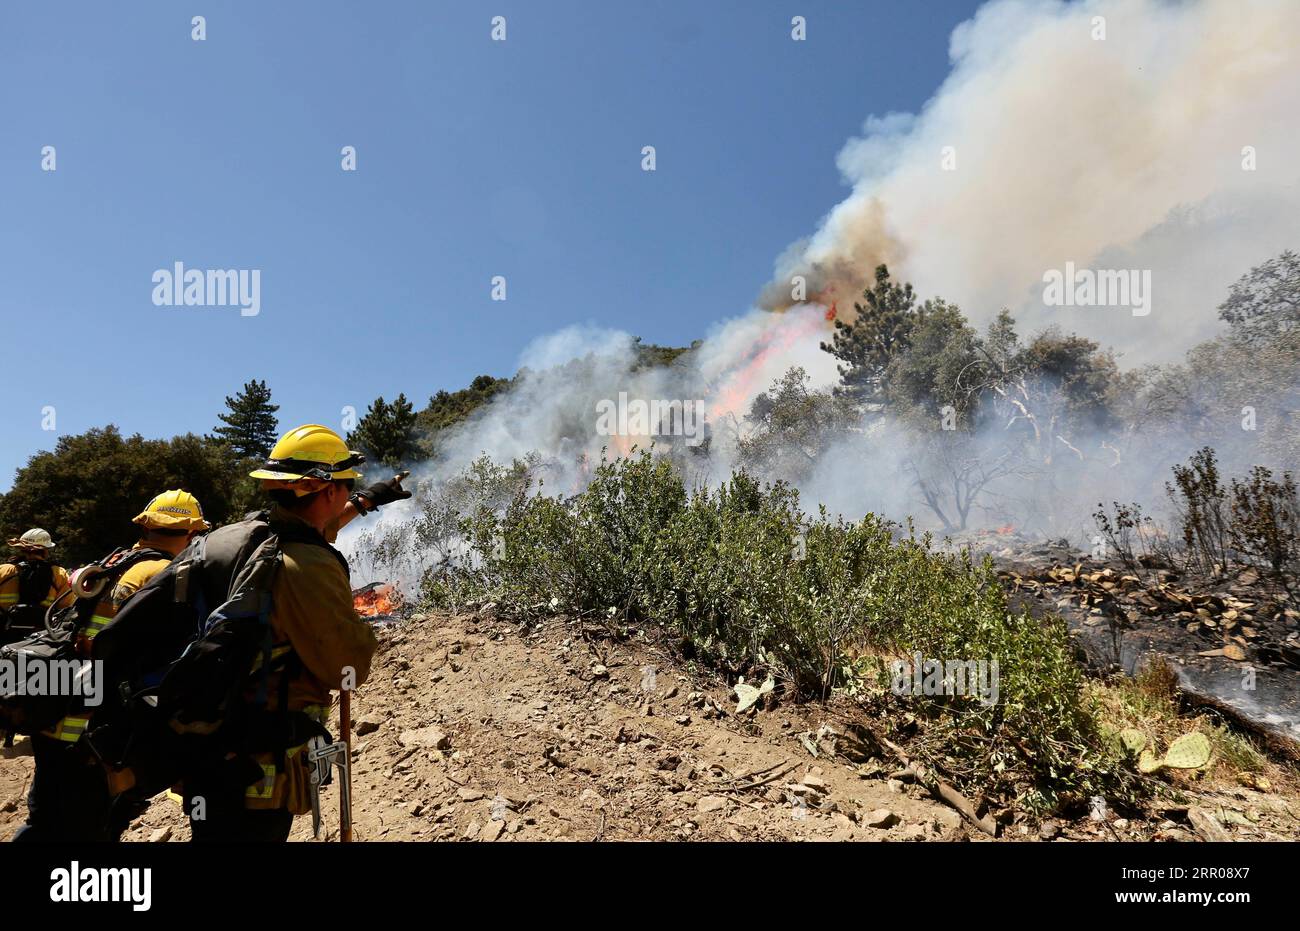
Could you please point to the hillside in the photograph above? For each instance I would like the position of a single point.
(472, 728)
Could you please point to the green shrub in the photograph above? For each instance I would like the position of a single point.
(753, 586)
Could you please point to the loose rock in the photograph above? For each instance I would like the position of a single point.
(426, 737)
(880, 818)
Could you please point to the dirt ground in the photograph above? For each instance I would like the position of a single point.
(471, 730)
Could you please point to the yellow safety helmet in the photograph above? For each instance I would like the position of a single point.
(172, 510)
(310, 455)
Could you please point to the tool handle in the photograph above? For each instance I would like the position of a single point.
(345, 724)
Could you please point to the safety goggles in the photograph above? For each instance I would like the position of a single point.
(318, 470)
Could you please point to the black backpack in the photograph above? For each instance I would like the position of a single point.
(181, 656)
(20, 712)
(35, 578)
(54, 642)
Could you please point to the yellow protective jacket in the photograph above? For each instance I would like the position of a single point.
(9, 585)
(70, 728)
(312, 616)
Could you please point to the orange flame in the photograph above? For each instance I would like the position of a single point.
(377, 601)
(820, 298)
(739, 385)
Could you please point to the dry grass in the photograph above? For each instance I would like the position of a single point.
(1149, 702)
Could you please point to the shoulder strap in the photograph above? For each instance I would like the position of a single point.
(230, 546)
(115, 568)
(148, 553)
(298, 532)
(208, 567)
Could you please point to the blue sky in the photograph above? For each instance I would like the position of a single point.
(475, 158)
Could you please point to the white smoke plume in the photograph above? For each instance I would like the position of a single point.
(1128, 134)
(551, 412)
(1049, 144)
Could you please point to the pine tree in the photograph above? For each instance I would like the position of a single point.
(875, 337)
(251, 427)
(387, 433)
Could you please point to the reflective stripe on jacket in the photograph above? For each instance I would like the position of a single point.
(72, 727)
(9, 585)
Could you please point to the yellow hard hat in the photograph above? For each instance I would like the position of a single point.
(172, 510)
(309, 452)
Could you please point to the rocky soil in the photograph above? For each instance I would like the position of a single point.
(469, 730)
(472, 729)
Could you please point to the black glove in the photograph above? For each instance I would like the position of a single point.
(379, 494)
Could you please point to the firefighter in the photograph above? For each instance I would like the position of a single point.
(29, 583)
(69, 798)
(167, 525)
(319, 643)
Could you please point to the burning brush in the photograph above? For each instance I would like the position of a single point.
(378, 601)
